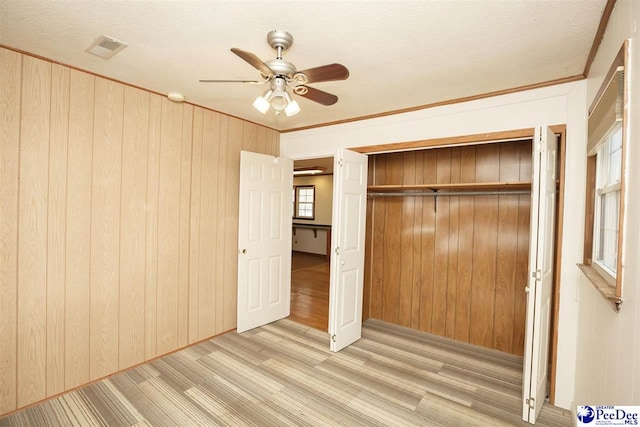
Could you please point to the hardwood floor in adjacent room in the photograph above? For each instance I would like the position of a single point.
(310, 290)
(283, 374)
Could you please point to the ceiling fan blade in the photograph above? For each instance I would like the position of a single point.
(255, 82)
(319, 96)
(254, 61)
(326, 73)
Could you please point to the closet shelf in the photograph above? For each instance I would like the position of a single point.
(465, 186)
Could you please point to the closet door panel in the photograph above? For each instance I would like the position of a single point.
(522, 259)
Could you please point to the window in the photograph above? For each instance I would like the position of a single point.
(607, 202)
(606, 192)
(304, 197)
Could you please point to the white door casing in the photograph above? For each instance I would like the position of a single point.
(540, 281)
(347, 245)
(264, 239)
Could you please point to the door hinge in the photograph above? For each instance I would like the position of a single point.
(337, 250)
(536, 274)
(333, 337)
(340, 162)
(531, 402)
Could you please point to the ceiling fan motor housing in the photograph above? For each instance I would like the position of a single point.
(280, 67)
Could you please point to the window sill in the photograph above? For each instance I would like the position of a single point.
(605, 285)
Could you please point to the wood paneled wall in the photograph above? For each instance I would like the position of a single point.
(118, 225)
(452, 266)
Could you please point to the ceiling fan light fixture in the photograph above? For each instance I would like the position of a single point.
(278, 102)
(292, 108)
(261, 104)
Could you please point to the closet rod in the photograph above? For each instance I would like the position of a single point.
(448, 193)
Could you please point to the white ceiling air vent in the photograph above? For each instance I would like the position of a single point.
(105, 47)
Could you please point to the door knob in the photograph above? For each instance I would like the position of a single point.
(244, 251)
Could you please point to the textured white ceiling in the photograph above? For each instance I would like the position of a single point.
(400, 54)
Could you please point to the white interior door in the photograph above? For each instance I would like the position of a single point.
(347, 245)
(264, 239)
(540, 287)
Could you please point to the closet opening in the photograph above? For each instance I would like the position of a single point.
(447, 239)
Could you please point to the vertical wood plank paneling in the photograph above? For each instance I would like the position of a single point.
(105, 227)
(441, 260)
(465, 247)
(221, 207)
(57, 219)
(261, 141)
(151, 245)
(454, 231)
(416, 279)
(107, 193)
(32, 223)
(208, 225)
(506, 251)
(135, 136)
(185, 202)
(485, 241)
(194, 241)
(429, 167)
(406, 241)
(169, 226)
(522, 259)
(78, 271)
(234, 146)
(249, 136)
(392, 237)
(10, 79)
(377, 241)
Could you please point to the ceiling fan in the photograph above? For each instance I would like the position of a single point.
(282, 75)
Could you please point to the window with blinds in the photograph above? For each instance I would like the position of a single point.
(606, 189)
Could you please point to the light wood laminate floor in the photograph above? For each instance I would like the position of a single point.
(283, 374)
